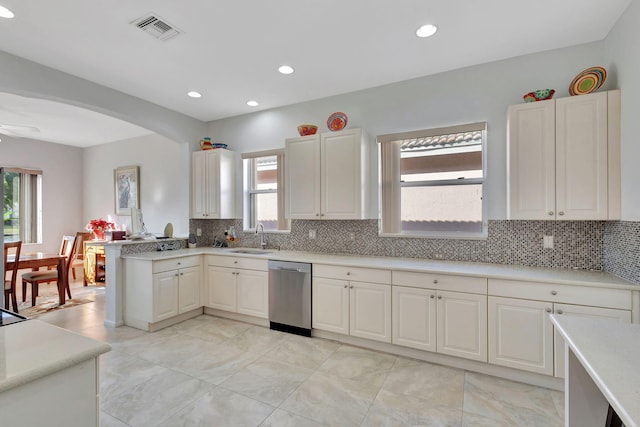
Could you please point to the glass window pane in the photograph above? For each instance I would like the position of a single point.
(265, 211)
(11, 206)
(266, 173)
(442, 208)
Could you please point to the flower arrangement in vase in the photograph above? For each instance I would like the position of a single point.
(99, 226)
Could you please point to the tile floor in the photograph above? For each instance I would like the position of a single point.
(211, 371)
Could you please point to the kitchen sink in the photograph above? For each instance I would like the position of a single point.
(250, 251)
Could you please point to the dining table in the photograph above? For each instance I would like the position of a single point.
(35, 260)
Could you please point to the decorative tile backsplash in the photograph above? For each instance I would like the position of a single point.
(622, 249)
(577, 244)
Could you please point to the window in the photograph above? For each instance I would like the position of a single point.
(264, 191)
(432, 181)
(22, 190)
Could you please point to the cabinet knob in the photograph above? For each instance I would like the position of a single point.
(548, 310)
(432, 296)
(179, 263)
(435, 282)
(351, 287)
(345, 286)
(176, 274)
(439, 296)
(559, 311)
(554, 293)
(550, 213)
(560, 213)
(235, 262)
(348, 273)
(317, 214)
(182, 274)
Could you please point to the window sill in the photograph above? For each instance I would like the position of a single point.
(456, 236)
(253, 231)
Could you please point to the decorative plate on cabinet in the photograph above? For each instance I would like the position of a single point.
(337, 121)
(588, 81)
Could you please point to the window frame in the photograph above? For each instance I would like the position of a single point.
(30, 231)
(390, 187)
(249, 209)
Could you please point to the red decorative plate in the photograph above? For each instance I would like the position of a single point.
(337, 121)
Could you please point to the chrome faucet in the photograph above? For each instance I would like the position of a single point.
(263, 244)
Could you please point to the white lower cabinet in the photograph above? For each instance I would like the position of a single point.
(238, 285)
(521, 335)
(428, 317)
(157, 290)
(360, 308)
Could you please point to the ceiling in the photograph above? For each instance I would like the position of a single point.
(230, 50)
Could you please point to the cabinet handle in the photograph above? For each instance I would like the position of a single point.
(560, 213)
(559, 311)
(439, 296)
(548, 310)
(435, 282)
(550, 213)
(554, 293)
(432, 296)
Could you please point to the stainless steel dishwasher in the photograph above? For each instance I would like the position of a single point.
(290, 297)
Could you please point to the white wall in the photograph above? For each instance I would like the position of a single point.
(623, 65)
(479, 93)
(164, 181)
(62, 171)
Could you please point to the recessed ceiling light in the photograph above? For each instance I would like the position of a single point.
(5, 13)
(285, 69)
(252, 103)
(426, 30)
(194, 94)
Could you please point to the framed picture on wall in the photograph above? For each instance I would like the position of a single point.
(127, 194)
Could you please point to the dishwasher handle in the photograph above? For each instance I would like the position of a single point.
(296, 270)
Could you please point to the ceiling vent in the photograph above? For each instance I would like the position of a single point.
(157, 27)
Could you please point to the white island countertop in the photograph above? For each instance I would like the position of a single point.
(33, 349)
(609, 351)
(491, 271)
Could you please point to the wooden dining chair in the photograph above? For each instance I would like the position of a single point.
(77, 261)
(37, 277)
(10, 285)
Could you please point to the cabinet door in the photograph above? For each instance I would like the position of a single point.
(188, 289)
(531, 160)
(165, 295)
(302, 178)
(581, 157)
(462, 325)
(341, 175)
(413, 317)
(585, 311)
(330, 305)
(221, 288)
(198, 185)
(253, 293)
(521, 334)
(370, 311)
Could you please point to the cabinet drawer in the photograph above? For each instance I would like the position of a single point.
(580, 295)
(238, 262)
(444, 282)
(358, 274)
(175, 263)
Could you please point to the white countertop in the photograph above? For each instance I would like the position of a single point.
(33, 349)
(493, 271)
(610, 353)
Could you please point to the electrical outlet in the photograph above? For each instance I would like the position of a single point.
(438, 256)
(352, 236)
(198, 231)
(312, 234)
(547, 242)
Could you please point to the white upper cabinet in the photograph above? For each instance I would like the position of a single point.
(564, 158)
(326, 176)
(213, 184)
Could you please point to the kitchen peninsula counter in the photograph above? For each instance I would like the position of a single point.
(43, 370)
